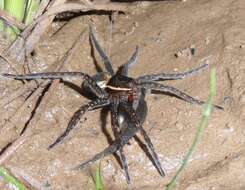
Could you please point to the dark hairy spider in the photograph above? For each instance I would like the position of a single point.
(124, 97)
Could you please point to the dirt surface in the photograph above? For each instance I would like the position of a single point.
(173, 37)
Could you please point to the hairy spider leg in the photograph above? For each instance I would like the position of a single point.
(77, 116)
(149, 144)
(132, 61)
(99, 92)
(122, 140)
(115, 146)
(116, 129)
(106, 59)
(107, 151)
(172, 76)
(174, 91)
(128, 130)
(108, 63)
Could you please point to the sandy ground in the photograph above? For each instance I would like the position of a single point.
(166, 33)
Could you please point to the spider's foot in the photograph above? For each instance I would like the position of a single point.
(218, 107)
(82, 166)
(7, 75)
(52, 145)
(57, 141)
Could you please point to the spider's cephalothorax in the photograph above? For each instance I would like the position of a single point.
(124, 97)
(124, 88)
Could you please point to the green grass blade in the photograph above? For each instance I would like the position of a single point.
(1, 22)
(10, 179)
(1, 4)
(98, 180)
(31, 10)
(15, 8)
(202, 125)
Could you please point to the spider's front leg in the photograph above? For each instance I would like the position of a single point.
(123, 70)
(106, 59)
(99, 92)
(77, 116)
(173, 91)
(173, 76)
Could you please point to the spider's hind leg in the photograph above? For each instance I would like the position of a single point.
(115, 146)
(149, 144)
(116, 130)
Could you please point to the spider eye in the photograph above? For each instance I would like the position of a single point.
(101, 79)
(101, 84)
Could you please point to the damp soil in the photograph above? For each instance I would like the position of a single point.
(173, 36)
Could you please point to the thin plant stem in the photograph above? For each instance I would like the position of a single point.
(98, 179)
(201, 127)
(31, 10)
(15, 8)
(1, 22)
(10, 179)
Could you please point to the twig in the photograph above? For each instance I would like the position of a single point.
(11, 21)
(14, 146)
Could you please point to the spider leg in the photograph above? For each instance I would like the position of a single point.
(132, 60)
(77, 116)
(107, 151)
(115, 146)
(125, 165)
(127, 132)
(149, 144)
(173, 76)
(174, 91)
(64, 76)
(115, 128)
(106, 59)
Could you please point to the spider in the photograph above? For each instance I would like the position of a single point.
(124, 97)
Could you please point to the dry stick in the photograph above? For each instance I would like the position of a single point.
(11, 21)
(28, 181)
(27, 87)
(6, 59)
(40, 29)
(14, 146)
(15, 116)
(71, 7)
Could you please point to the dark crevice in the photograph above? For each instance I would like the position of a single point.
(6, 147)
